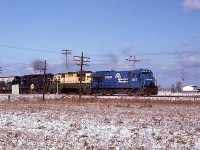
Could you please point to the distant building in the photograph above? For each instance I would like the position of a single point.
(190, 89)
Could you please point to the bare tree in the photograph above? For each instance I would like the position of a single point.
(179, 86)
(159, 87)
(173, 90)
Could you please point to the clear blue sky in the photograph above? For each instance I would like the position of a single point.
(163, 35)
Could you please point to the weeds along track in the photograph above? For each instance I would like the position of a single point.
(120, 100)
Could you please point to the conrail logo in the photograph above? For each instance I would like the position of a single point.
(120, 79)
(118, 76)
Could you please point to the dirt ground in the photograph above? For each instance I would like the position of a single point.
(99, 124)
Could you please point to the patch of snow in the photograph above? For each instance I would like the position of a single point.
(98, 126)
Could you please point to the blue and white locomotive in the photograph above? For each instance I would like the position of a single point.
(136, 82)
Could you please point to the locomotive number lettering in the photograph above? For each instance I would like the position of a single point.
(149, 79)
(108, 77)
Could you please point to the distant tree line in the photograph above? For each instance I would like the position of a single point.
(177, 88)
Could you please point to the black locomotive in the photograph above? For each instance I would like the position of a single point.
(35, 83)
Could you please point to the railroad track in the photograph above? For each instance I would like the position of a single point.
(60, 96)
(196, 96)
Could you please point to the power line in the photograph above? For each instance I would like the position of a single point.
(141, 53)
(27, 49)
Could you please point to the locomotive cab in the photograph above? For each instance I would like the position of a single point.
(143, 82)
(148, 78)
(148, 83)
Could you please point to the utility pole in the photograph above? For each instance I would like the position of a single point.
(44, 80)
(66, 53)
(133, 60)
(0, 70)
(81, 62)
(183, 76)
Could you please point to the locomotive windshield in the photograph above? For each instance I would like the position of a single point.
(147, 73)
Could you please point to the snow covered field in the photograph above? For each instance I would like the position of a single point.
(98, 124)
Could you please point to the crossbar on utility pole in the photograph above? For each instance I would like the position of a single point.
(133, 60)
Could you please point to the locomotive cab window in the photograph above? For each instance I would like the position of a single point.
(49, 80)
(147, 73)
(83, 75)
(135, 75)
(89, 76)
(83, 79)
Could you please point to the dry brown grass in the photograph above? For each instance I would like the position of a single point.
(119, 102)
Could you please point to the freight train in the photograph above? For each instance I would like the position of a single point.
(136, 82)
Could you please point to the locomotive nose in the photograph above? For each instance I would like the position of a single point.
(149, 81)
